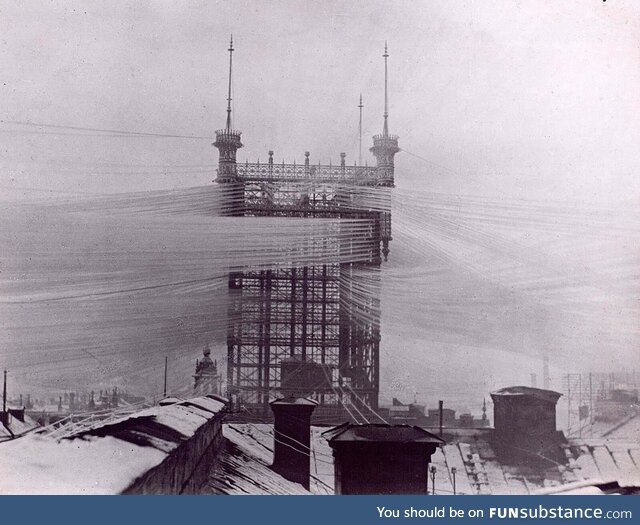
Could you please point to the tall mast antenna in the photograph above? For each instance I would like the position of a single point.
(229, 96)
(360, 131)
(385, 129)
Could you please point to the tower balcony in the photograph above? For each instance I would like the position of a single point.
(387, 142)
(228, 137)
(386, 138)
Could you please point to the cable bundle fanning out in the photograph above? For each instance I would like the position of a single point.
(495, 276)
(104, 287)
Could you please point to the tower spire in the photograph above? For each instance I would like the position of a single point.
(360, 106)
(227, 139)
(385, 129)
(385, 146)
(229, 95)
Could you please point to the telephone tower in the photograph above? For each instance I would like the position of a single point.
(306, 330)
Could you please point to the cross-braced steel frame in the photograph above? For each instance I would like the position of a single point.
(321, 313)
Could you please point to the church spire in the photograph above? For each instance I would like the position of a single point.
(229, 95)
(385, 128)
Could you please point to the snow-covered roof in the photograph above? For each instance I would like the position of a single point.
(526, 391)
(380, 433)
(105, 459)
(479, 469)
(243, 467)
(15, 428)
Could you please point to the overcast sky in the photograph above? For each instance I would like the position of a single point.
(527, 99)
(532, 99)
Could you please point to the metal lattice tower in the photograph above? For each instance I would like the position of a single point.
(300, 329)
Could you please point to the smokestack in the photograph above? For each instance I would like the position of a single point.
(546, 380)
(292, 438)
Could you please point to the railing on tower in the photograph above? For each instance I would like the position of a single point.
(259, 172)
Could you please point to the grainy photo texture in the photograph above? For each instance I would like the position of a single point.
(301, 247)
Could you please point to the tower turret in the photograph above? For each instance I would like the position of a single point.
(227, 139)
(385, 146)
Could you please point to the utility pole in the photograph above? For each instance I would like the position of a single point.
(568, 404)
(579, 404)
(4, 394)
(453, 475)
(440, 409)
(166, 359)
(591, 401)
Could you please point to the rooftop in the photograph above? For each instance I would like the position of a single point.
(480, 471)
(380, 434)
(293, 400)
(538, 393)
(105, 459)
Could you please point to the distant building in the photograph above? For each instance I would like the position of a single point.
(414, 414)
(616, 405)
(526, 454)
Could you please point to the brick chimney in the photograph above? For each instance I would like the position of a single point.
(292, 438)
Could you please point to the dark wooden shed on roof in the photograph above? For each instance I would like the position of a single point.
(381, 459)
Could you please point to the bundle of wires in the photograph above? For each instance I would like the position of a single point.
(102, 288)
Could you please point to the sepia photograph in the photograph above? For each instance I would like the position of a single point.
(320, 247)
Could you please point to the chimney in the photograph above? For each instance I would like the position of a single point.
(525, 421)
(292, 438)
(546, 379)
(18, 413)
(381, 459)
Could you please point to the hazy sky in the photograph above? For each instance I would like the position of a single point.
(527, 98)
